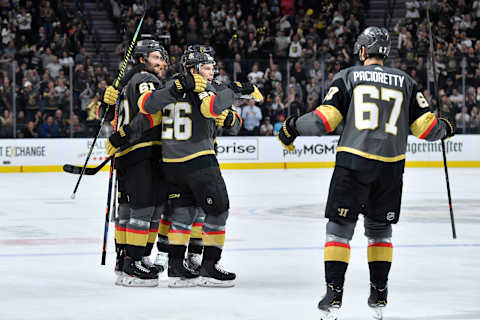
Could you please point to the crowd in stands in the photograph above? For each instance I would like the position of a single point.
(456, 30)
(289, 49)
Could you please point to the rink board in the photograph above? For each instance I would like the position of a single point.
(49, 155)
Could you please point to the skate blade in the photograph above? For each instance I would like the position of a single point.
(128, 281)
(119, 280)
(377, 313)
(214, 283)
(176, 282)
(330, 314)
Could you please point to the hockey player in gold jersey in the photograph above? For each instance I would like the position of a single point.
(378, 106)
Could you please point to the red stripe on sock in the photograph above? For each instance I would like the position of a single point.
(381, 244)
(337, 244)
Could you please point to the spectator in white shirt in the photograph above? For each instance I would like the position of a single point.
(251, 115)
(256, 76)
(295, 51)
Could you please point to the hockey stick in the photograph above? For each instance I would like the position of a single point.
(123, 82)
(70, 168)
(435, 85)
(115, 123)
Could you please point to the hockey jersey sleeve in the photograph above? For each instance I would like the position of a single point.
(326, 117)
(151, 102)
(423, 122)
(215, 100)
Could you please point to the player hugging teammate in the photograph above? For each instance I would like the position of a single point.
(183, 115)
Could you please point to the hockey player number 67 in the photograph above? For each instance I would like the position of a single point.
(175, 124)
(366, 112)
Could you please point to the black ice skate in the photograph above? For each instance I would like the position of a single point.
(119, 262)
(331, 302)
(153, 267)
(179, 276)
(213, 275)
(193, 261)
(137, 274)
(377, 300)
(161, 261)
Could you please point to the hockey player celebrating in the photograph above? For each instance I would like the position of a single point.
(142, 190)
(192, 170)
(379, 106)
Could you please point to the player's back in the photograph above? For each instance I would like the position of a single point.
(186, 133)
(377, 120)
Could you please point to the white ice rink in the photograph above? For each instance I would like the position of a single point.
(50, 252)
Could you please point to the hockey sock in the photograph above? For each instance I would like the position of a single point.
(176, 252)
(379, 262)
(336, 257)
(196, 243)
(178, 237)
(211, 254)
(152, 236)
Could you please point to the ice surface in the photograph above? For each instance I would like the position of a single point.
(50, 248)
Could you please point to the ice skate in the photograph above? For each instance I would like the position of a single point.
(193, 261)
(161, 261)
(213, 275)
(119, 262)
(180, 276)
(137, 274)
(148, 263)
(377, 301)
(330, 305)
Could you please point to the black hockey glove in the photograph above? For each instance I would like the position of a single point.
(450, 125)
(226, 119)
(288, 133)
(110, 110)
(117, 140)
(188, 82)
(247, 90)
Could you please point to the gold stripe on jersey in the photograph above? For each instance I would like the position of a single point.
(206, 108)
(422, 124)
(371, 156)
(190, 157)
(141, 101)
(138, 146)
(330, 114)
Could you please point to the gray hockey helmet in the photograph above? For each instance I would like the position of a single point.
(375, 40)
(144, 47)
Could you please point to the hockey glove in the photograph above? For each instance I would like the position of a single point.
(450, 125)
(247, 91)
(117, 140)
(102, 108)
(288, 133)
(189, 82)
(226, 119)
(110, 95)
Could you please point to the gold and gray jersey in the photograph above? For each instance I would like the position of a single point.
(145, 129)
(379, 106)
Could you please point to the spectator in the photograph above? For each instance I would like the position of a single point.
(49, 129)
(266, 129)
(6, 121)
(223, 76)
(54, 67)
(61, 123)
(251, 115)
(78, 129)
(29, 131)
(295, 50)
(256, 76)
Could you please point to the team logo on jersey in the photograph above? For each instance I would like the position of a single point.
(174, 195)
(390, 216)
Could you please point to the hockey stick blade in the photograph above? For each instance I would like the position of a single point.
(70, 168)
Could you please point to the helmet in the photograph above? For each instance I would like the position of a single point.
(196, 59)
(197, 48)
(375, 40)
(144, 47)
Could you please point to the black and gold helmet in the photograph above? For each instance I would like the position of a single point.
(376, 41)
